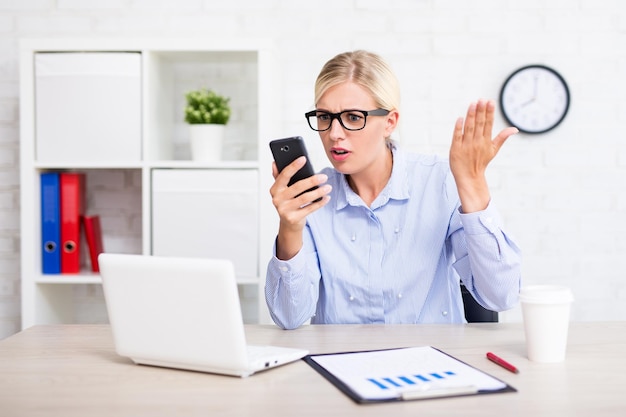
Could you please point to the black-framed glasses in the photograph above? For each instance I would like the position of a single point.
(349, 119)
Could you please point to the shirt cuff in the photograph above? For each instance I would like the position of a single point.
(480, 222)
(289, 268)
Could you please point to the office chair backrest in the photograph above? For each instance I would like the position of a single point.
(474, 312)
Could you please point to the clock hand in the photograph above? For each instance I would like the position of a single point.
(534, 97)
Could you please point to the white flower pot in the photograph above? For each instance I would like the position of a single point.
(206, 142)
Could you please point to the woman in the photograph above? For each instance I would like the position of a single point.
(394, 233)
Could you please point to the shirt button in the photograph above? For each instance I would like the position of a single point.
(444, 313)
(400, 295)
(353, 238)
(351, 298)
(397, 230)
(284, 268)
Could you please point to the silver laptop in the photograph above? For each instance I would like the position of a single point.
(182, 313)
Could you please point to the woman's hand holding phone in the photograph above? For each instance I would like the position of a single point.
(296, 193)
(288, 150)
(304, 192)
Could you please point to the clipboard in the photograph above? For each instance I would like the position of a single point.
(403, 374)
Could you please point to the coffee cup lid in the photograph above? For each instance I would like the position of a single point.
(546, 294)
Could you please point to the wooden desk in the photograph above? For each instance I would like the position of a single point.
(73, 370)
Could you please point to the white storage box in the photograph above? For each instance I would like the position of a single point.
(209, 213)
(88, 107)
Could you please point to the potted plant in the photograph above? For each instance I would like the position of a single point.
(207, 114)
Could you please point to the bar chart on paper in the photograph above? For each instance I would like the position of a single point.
(388, 374)
(411, 381)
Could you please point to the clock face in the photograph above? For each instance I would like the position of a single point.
(535, 99)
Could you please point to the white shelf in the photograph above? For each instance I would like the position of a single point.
(169, 67)
(187, 164)
(82, 278)
(94, 278)
(204, 165)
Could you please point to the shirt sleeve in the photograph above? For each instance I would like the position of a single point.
(487, 259)
(292, 286)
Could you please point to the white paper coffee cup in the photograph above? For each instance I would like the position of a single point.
(546, 312)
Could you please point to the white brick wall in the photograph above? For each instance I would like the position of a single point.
(562, 194)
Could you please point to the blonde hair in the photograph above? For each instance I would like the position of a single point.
(365, 69)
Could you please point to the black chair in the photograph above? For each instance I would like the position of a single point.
(474, 312)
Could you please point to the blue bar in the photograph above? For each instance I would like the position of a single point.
(449, 373)
(378, 384)
(392, 382)
(436, 375)
(407, 380)
(422, 378)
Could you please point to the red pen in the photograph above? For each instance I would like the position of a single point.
(502, 363)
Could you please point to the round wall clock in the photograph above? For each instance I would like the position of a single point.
(534, 99)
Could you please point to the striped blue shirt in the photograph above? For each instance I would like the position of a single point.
(398, 261)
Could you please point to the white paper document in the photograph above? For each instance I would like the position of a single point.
(406, 373)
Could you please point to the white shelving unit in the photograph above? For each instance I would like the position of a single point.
(169, 67)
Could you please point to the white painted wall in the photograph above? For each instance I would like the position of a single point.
(561, 194)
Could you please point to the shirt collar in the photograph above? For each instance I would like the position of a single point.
(396, 189)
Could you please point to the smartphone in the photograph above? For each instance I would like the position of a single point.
(287, 150)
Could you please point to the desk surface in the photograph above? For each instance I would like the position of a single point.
(73, 370)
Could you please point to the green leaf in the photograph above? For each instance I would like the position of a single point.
(206, 107)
